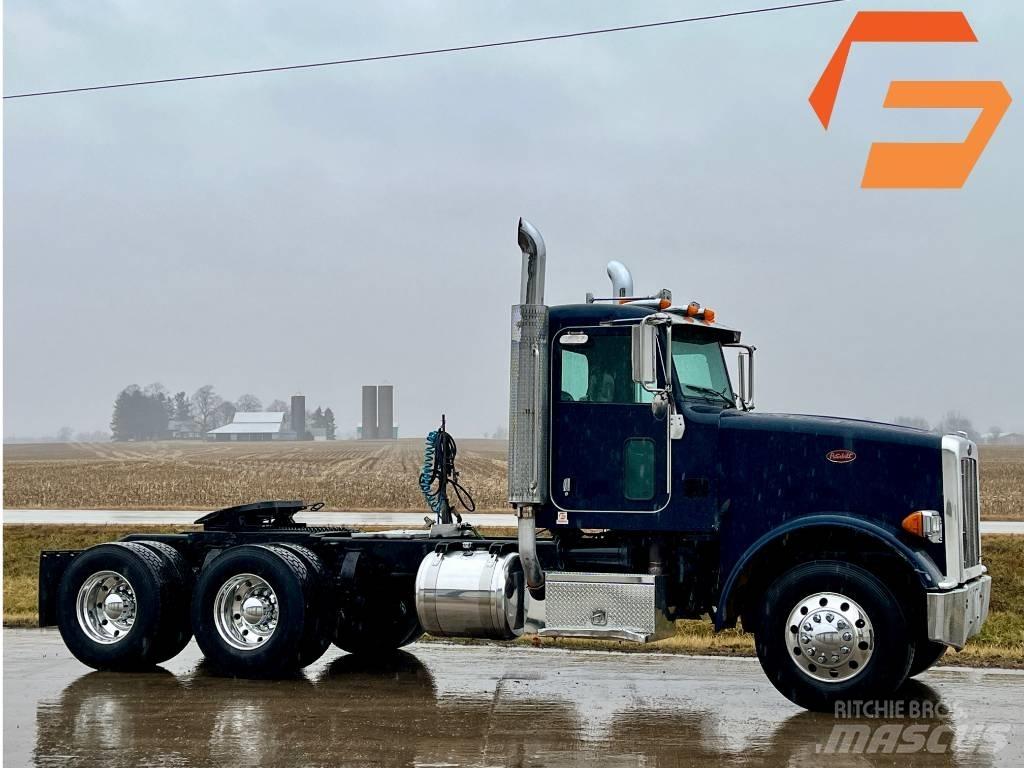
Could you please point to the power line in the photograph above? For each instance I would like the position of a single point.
(429, 52)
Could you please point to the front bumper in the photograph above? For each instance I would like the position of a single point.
(956, 615)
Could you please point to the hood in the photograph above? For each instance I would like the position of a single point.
(775, 467)
(841, 430)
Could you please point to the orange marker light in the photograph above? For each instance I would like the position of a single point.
(692, 309)
(914, 523)
(664, 304)
(926, 523)
(709, 315)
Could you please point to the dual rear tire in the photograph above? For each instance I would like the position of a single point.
(256, 611)
(123, 605)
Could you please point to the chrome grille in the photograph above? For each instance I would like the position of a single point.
(971, 512)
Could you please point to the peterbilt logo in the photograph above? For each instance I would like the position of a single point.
(841, 456)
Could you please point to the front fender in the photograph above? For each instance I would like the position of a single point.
(921, 564)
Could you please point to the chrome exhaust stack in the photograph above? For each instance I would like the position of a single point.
(528, 404)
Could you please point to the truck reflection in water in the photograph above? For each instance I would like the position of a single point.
(391, 712)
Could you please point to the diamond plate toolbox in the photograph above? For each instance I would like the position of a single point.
(619, 605)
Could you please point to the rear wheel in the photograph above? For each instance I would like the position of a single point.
(114, 605)
(832, 631)
(177, 629)
(381, 625)
(252, 610)
(317, 637)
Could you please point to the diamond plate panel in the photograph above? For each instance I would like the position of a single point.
(600, 605)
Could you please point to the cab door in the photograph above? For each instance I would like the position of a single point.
(609, 452)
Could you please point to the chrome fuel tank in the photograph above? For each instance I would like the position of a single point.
(471, 593)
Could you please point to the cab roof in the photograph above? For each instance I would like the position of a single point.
(569, 315)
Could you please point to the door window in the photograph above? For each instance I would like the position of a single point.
(600, 371)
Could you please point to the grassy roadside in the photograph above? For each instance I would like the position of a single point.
(1001, 642)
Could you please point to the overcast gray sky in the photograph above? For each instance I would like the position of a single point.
(313, 231)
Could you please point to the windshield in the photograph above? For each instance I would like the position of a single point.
(701, 369)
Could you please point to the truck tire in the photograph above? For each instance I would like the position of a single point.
(830, 631)
(926, 654)
(379, 627)
(114, 605)
(252, 609)
(177, 630)
(318, 633)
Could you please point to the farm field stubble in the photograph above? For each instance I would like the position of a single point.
(350, 475)
(346, 475)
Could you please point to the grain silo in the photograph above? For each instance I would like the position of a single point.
(298, 424)
(369, 431)
(386, 412)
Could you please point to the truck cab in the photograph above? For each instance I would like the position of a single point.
(781, 521)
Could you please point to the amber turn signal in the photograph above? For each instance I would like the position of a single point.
(926, 523)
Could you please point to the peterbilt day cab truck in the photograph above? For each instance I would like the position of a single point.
(850, 549)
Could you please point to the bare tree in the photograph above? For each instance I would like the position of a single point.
(913, 421)
(223, 414)
(248, 404)
(64, 434)
(954, 422)
(205, 403)
(994, 433)
(278, 406)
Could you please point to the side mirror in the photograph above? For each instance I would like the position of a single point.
(746, 375)
(644, 353)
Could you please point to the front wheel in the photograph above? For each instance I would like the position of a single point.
(831, 631)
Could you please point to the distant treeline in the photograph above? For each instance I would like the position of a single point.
(950, 424)
(153, 413)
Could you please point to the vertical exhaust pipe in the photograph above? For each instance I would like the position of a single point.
(531, 288)
(622, 280)
(528, 404)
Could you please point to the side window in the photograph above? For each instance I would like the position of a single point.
(598, 370)
(575, 374)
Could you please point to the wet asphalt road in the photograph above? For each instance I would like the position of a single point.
(442, 705)
(403, 519)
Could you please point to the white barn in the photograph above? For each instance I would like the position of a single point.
(254, 425)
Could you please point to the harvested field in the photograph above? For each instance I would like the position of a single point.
(1002, 482)
(350, 475)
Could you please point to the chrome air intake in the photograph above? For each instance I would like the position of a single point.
(622, 280)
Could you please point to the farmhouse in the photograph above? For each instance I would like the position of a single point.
(258, 425)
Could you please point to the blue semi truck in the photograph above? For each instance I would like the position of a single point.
(646, 489)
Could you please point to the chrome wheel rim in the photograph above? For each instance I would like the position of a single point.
(245, 612)
(830, 637)
(106, 607)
